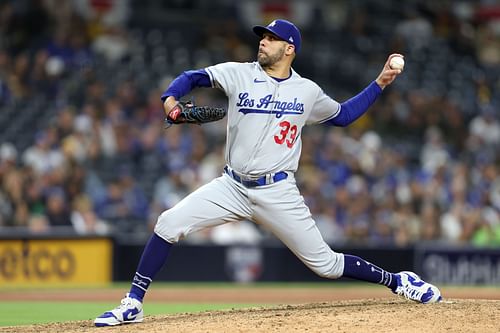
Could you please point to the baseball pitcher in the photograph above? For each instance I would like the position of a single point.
(268, 106)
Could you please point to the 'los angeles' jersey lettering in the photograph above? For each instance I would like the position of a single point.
(267, 105)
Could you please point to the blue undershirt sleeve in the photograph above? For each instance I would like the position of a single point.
(186, 82)
(356, 106)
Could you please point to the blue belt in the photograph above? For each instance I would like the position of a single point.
(264, 180)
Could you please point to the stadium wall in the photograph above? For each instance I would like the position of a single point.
(100, 260)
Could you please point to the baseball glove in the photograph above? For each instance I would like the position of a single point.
(187, 112)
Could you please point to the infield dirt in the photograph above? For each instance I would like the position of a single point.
(345, 311)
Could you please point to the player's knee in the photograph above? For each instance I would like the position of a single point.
(333, 270)
(167, 229)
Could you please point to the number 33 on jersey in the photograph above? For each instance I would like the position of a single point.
(284, 136)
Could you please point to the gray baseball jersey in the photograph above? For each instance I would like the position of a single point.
(265, 121)
(265, 117)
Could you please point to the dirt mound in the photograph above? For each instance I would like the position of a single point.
(368, 315)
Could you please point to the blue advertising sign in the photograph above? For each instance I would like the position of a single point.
(458, 266)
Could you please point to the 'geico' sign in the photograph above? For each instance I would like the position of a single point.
(40, 264)
(55, 261)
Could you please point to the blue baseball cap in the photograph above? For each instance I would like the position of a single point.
(284, 29)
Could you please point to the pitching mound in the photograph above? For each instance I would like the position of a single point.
(371, 315)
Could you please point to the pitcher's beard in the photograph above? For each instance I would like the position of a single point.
(268, 60)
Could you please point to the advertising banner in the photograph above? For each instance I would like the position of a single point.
(55, 261)
(459, 266)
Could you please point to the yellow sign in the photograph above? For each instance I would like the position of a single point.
(55, 261)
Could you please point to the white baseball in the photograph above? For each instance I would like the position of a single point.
(397, 63)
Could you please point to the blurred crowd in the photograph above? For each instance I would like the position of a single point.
(83, 147)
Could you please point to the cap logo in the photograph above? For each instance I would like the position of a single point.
(272, 24)
(290, 39)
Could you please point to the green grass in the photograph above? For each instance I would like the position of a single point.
(25, 313)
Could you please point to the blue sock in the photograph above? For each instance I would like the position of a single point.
(153, 258)
(360, 269)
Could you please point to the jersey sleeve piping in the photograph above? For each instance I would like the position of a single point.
(335, 114)
(212, 79)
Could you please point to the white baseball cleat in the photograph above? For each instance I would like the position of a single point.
(411, 287)
(129, 311)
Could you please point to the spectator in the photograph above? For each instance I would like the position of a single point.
(451, 224)
(124, 204)
(8, 157)
(41, 157)
(430, 222)
(168, 191)
(79, 144)
(57, 210)
(415, 30)
(488, 232)
(38, 224)
(112, 206)
(434, 153)
(133, 196)
(84, 219)
(15, 209)
(485, 127)
(407, 225)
